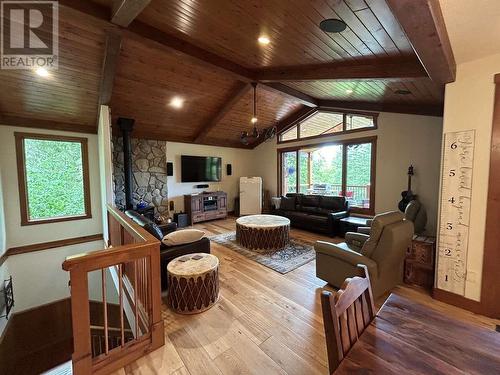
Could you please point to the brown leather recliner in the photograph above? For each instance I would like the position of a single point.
(415, 212)
(382, 252)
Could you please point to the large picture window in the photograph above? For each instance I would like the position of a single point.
(53, 178)
(339, 169)
(325, 123)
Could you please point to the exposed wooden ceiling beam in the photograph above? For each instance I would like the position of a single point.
(289, 121)
(137, 133)
(46, 124)
(294, 118)
(416, 109)
(290, 92)
(111, 55)
(125, 11)
(145, 33)
(171, 42)
(423, 23)
(361, 69)
(234, 97)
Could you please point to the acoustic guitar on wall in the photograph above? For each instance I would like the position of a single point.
(407, 195)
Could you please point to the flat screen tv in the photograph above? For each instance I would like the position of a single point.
(200, 168)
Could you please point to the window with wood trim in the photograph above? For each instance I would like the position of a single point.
(327, 123)
(345, 168)
(53, 177)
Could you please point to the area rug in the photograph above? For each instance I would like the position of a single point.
(294, 255)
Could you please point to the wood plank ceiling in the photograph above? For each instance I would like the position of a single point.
(202, 51)
(67, 99)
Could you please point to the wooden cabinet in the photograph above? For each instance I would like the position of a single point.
(206, 206)
(419, 262)
(196, 204)
(222, 203)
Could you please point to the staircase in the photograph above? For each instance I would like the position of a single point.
(42, 338)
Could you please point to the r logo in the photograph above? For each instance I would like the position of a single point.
(29, 34)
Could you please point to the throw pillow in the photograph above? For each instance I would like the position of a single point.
(184, 236)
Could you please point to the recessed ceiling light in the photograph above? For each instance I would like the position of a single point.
(42, 72)
(264, 40)
(332, 25)
(177, 102)
(402, 92)
(349, 91)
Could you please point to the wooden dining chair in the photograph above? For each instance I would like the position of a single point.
(346, 315)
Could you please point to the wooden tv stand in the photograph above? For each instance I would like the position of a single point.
(206, 206)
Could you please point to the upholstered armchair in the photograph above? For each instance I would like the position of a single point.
(382, 252)
(415, 212)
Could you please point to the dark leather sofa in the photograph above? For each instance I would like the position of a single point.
(317, 213)
(168, 253)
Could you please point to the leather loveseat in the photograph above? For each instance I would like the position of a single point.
(168, 253)
(317, 213)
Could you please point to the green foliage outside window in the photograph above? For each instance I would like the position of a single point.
(54, 178)
(359, 164)
(326, 169)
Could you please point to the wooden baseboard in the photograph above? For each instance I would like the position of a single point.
(459, 301)
(52, 244)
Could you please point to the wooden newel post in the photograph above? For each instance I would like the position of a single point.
(80, 315)
(157, 327)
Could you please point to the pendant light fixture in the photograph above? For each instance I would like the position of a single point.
(245, 136)
(268, 133)
(254, 117)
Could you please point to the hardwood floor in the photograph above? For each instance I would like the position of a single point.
(265, 322)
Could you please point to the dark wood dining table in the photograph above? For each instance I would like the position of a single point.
(409, 338)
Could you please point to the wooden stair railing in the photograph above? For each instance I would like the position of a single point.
(133, 255)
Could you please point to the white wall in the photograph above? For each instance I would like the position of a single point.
(469, 105)
(105, 166)
(3, 249)
(401, 140)
(3, 239)
(242, 161)
(38, 277)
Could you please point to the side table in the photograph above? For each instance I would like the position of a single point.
(419, 262)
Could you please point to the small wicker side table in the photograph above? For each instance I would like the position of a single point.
(193, 283)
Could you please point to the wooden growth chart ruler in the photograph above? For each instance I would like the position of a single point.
(456, 194)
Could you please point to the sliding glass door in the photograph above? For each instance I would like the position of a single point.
(358, 174)
(289, 172)
(339, 169)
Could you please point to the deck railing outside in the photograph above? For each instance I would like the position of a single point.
(132, 262)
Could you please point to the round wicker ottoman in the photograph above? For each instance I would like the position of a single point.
(263, 232)
(193, 283)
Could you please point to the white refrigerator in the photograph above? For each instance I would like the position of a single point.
(250, 195)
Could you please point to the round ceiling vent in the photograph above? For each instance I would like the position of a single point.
(332, 25)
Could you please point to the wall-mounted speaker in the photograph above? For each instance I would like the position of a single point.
(203, 186)
(229, 169)
(170, 169)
